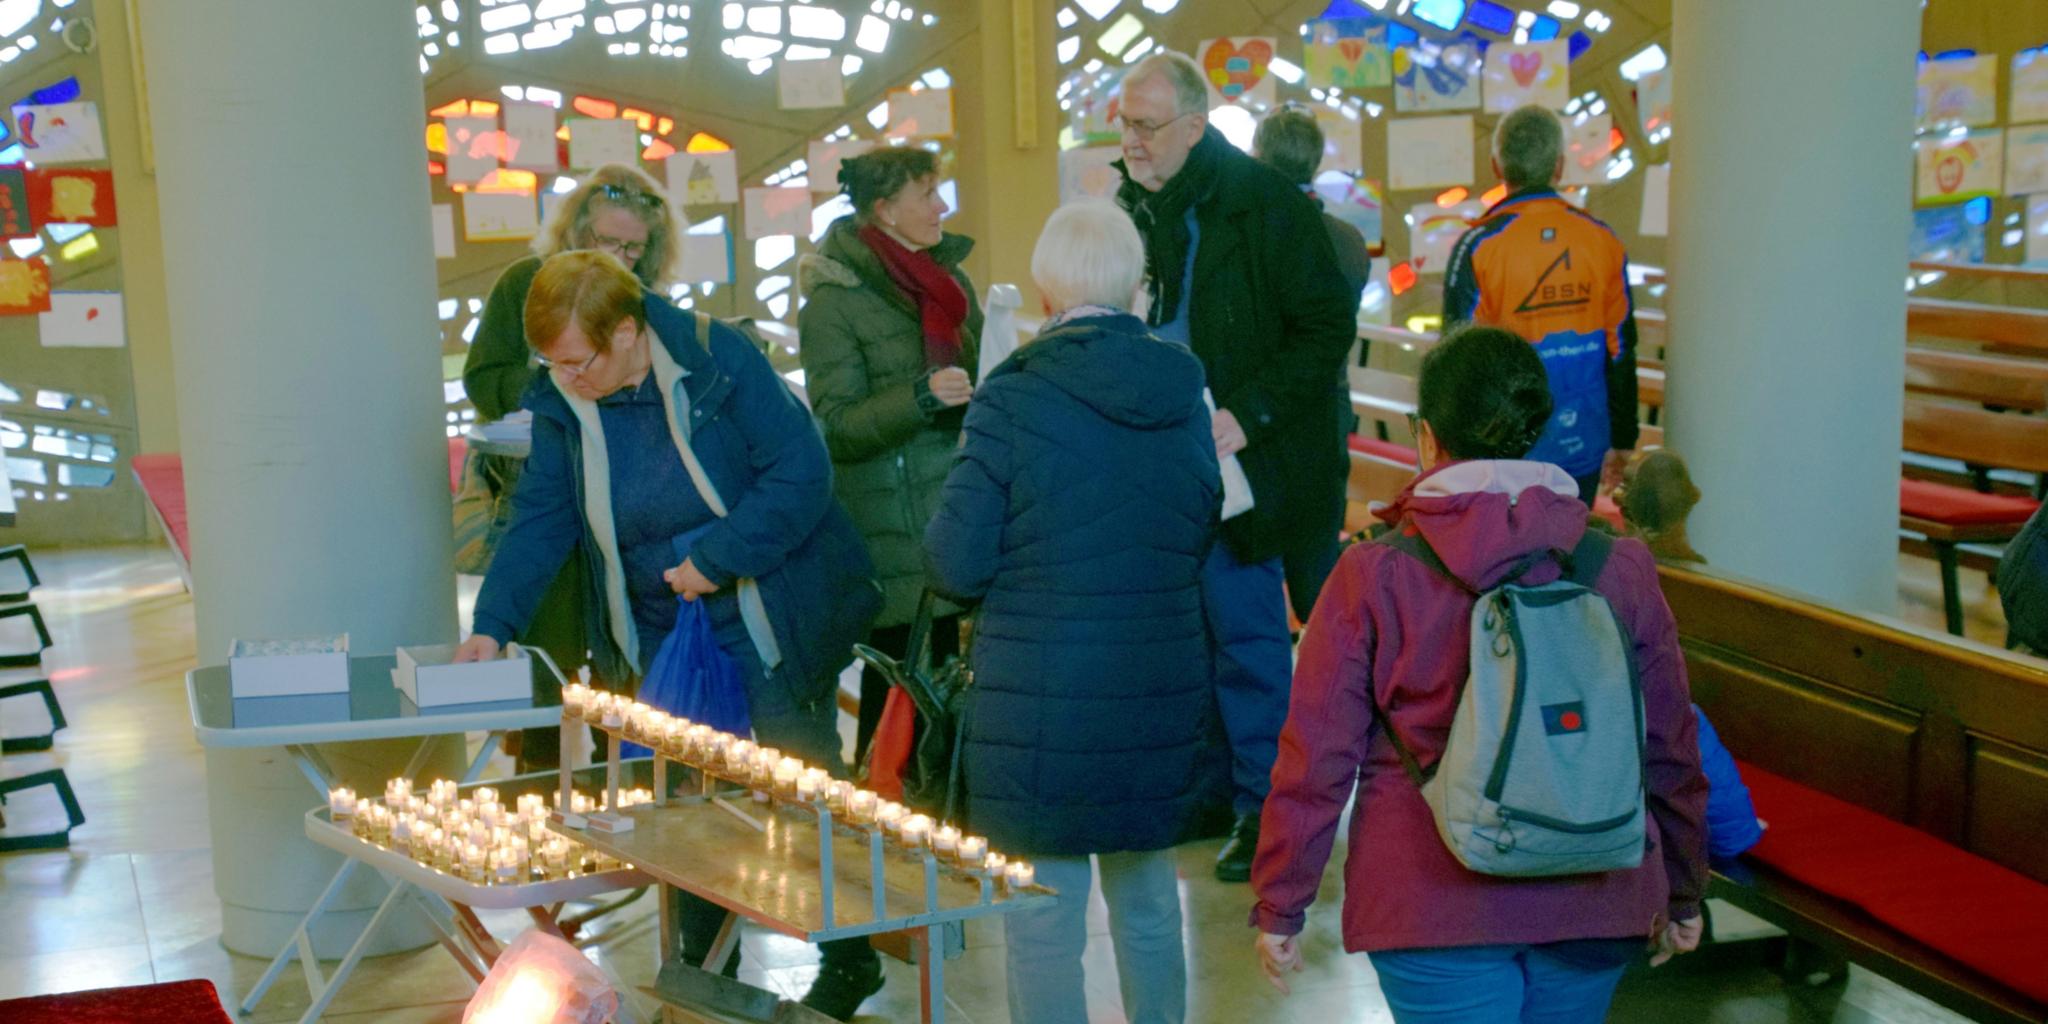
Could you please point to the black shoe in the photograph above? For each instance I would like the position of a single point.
(842, 987)
(1234, 863)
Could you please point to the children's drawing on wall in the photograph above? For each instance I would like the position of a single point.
(1348, 53)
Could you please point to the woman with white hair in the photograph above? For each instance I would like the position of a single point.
(1078, 516)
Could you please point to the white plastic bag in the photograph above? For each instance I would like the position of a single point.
(999, 327)
(1237, 488)
(540, 979)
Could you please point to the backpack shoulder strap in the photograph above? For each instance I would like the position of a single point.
(1400, 539)
(703, 330)
(1589, 558)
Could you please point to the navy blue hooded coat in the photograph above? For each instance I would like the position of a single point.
(1078, 515)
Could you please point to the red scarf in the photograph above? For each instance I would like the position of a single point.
(941, 302)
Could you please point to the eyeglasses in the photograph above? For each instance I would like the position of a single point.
(1144, 130)
(624, 194)
(627, 251)
(568, 369)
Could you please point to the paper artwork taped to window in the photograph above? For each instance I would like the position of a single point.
(60, 133)
(71, 195)
(24, 286)
(1445, 80)
(1239, 70)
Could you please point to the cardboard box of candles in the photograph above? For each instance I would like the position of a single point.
(774, 779)
(288, 668)
(429, 677)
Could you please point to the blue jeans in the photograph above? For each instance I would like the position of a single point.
(1247, 609)
(1043, 947)
(1552, 983)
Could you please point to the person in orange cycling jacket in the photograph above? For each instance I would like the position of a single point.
(1552, 273)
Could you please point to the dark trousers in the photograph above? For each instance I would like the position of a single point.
(894, 641)
(1309, 561)
(1589, 488)
(810, 734)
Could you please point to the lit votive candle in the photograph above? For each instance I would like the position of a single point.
(467, 807)
(993, 865)
(739, 756)
(811, 784)
(890, 815)
(1020, 875)
(401, 833)
(836, 793)
(473, 860)
(916, 830)
(486, 795)
(860, 805)
(573, 696)
(492, 814)
(507, 870)
(614, 716)
(341, 803)
(972, 850)
(945, 841)
(786, 772)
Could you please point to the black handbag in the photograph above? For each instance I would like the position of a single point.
(933, 782)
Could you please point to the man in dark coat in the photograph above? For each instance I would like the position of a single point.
(1241, 270)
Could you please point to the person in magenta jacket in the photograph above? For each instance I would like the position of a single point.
(1451, 945)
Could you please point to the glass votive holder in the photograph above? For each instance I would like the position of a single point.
(1020, 875)
(945, 840)
(972, 850)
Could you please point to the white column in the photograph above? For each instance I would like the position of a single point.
(1791, 203)
(299, 264)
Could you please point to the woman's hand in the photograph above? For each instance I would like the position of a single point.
(477, 648)
(687, 581)
(951, 386)
(1279, 956)
(1677, 937)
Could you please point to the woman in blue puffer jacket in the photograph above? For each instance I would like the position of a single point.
(1078, 515)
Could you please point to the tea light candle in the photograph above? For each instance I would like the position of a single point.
(860, 804)
(1020, 875)
(945, 841)
(613, 715)
(486, 795)
(811, 784)
(917, 830)
(739, 755)
(573, 696)
(555, 855)
(467, 807)
(473, 859)
(786, 772)
(491, 814)
(994, 864)
(401, 833)
(341, 803)
(972, 850)
(891, 814)
(507, 870)
(836, 793)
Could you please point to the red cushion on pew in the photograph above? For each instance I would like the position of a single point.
(172, 1002)
(458, 452)
(1981, 914)
(1960, 506)
(1400, 453)
(163, 483)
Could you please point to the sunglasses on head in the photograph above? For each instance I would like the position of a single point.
(624, 194)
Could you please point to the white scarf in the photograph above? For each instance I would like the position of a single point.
(597, 507)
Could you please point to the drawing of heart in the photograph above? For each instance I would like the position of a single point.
(1236, 70)
(92, 314)
(1524, 66)
(1352, 49)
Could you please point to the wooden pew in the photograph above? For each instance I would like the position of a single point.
(1958, 516)
(1950, 738)
(2005, 327)
(1999, 381)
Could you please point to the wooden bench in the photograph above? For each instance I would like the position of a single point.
(1938, 519)
(1910, 728)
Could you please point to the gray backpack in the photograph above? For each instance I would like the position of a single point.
(1542, 773)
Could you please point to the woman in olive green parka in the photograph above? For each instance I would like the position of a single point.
(889, 339)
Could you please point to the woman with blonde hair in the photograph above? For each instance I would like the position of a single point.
(617, 210)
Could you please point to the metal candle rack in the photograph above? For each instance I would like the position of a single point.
(687, 851)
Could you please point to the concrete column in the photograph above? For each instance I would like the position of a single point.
(1791, 204)
(299, 266)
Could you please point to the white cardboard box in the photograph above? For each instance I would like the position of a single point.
(288, 668)
(429, 678)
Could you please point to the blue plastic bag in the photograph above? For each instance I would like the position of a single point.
(692, 676)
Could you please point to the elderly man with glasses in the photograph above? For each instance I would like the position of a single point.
(1239, 268)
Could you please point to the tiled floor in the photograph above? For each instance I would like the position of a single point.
(132, 901)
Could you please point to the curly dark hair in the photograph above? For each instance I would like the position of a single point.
(1484, 394)
(872, 177)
